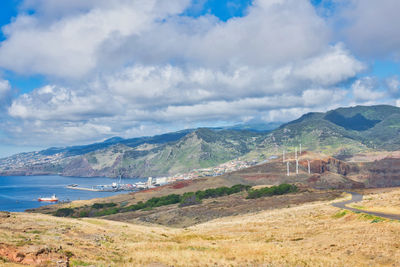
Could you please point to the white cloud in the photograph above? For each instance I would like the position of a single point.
(365, 89)
(138, 67)
(58, 103)
(393, 85)
(331, 68)
(319, 97)
(5, 94)
(151, 32)
(69, 46)
(369, 26)
(5, 88)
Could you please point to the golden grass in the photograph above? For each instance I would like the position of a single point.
(386, 202)
(262, 186)
(307, 235)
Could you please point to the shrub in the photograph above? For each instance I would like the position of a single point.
(271, 191)
(163, 201)
(64, 212)
(138, 206)
(103, 205)
(189, 199)
(84, 213)
(106, 212)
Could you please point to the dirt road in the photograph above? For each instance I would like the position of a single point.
(355, 197)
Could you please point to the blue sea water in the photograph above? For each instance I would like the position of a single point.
(18, 193)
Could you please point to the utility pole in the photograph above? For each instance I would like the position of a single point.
(300, 149)
(287, 166)
(283, 158)
(297, 166)
(309, 169)
(295, 157)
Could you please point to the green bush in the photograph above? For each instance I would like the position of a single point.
(106, 212)
(138, 206)
(84, 213)
(189, 199)
(64, 212)
(221, 191)
(271, 191)
(163, 201)
(103, 205)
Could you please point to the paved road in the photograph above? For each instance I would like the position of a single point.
(355, 197)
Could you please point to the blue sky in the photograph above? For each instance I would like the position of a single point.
(74, 72)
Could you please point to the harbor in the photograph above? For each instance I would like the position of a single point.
(18, 193)
(116, 187)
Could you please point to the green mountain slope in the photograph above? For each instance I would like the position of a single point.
(201, 148)
(338, 132)
(344, 130)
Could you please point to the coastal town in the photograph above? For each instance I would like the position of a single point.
(152, 182)
(227, 167)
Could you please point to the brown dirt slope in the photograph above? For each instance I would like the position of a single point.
(210, 209)
(312, 234)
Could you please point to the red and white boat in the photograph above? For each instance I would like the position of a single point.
(48, 199)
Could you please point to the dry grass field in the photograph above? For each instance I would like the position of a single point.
(380, 200)
(313, 234)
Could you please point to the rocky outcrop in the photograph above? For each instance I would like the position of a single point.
(383, 173)
(329, 165)
(34, 255)
(332, 180)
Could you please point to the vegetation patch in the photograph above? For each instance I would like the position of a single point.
(186, 199)
(103, 205)
(79, 263)
(373, 218)
(358, 207)
(340, 214)
(106, 212)
(64, 212)
(3, 259)
(297, 239)
(189, 199)
(271, 191)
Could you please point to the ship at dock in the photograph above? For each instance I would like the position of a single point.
(53, 198)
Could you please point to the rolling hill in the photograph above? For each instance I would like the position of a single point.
(340, 133)
(153, 156)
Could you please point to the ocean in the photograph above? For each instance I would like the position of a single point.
(18, 193)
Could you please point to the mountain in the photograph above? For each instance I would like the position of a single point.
(148, 156)
(133, 142)
(340, 133)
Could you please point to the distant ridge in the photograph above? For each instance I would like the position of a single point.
(338, 132)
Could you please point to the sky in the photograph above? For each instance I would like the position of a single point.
(75, 72)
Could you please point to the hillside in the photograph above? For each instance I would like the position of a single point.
(157, 156)
(340, 133)
(310, 234)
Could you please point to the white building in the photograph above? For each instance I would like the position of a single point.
(161, 180)
(150, 182)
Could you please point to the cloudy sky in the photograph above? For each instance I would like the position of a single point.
(79, 71)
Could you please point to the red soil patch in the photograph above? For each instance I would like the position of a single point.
(181, 184)
(313, 179)
(151, 190)
(33, 256)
